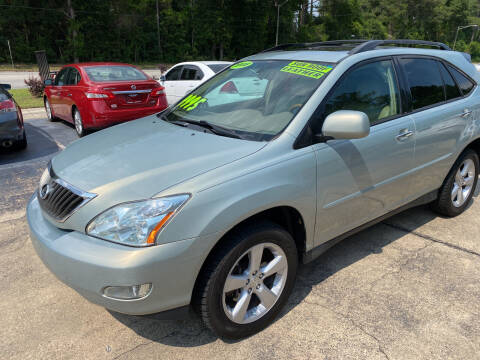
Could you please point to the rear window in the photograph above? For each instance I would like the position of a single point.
(451, 89)
(3, 95)
(114, 73)
(463, 82)
(217, 67)
(426, 84)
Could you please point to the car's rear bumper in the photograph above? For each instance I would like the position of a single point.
(9, 127)
(100, 115)
(88, 265)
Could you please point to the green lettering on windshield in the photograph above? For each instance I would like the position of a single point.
(314, 71)
(241, 65)
(191, 102)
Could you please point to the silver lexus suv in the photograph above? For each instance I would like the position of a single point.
(213, 203)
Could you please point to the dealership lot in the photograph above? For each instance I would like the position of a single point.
(406, 288)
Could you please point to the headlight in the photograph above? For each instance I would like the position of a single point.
(136, 223)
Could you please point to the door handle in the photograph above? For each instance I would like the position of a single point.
(404, 134)
(465, 113)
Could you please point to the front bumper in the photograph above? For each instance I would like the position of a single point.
(88, 265)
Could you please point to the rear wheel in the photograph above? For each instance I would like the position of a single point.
(48, 110)
(459, 186)
(247, 282)
(77, 120)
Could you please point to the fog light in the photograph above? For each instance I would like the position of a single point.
(127, 292)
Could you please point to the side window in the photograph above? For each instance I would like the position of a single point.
(173, 74)
(463, 82)
(73, 77)
(371, 88)
(426, 85)
(61, 78)
(451, 89)
(190, 72)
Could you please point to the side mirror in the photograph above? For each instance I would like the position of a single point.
(163, 78)
(346, 124)
(48, 82)
(6, 86)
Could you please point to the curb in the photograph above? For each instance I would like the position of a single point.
(33, 113)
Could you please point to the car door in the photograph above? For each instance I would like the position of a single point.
(441, 114)
(70, 92)
(172, 83)
(190, 78)
(359, 180)
(56, 97)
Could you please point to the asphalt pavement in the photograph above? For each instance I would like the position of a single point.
(407, 288)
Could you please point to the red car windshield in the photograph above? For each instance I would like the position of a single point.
(105, 73)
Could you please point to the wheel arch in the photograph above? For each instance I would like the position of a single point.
(287, 217)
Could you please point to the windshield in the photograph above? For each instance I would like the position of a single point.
(217, 67)
(114, 73)
(254, 99)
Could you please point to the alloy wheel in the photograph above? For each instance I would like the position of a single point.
(255, 283)
(48, 109)
(463, 184)
(78, 123)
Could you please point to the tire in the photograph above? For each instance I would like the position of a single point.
(78, 122)
(459, 186)
(214, 298)
(22, 144)
(48, 110)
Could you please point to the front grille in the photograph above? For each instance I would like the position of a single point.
(60, 199)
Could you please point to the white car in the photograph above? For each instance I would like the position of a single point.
(477, 66)
(184, 77)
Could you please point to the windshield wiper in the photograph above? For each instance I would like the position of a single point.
(216, 129)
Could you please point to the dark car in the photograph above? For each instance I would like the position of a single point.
(98, 95)
(12, 132)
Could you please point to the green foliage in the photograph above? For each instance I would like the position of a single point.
(126, 30)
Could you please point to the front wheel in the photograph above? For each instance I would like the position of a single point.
(247, 281)
(77, 120)
(48, 110)
(459, 186)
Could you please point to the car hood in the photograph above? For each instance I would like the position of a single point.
(144, 157)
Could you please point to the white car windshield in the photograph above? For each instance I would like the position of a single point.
(254, 100)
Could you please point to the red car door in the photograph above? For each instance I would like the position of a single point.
(69, 93)
(57, 97)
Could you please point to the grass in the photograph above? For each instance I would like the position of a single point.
(25, 99)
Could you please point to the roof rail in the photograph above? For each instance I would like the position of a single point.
(332, 43)
(359, 45)
(373, 44)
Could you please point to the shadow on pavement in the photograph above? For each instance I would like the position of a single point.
(191, 332)
(40, 144)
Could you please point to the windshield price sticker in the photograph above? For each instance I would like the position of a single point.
(310, 70)
(241, 65)
(191, 102)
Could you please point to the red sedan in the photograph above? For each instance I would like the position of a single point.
(97, 95)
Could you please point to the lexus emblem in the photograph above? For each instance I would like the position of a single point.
(44, 190)
(133, 87)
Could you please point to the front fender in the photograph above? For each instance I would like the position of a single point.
(217, 209)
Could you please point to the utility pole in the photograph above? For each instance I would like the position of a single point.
(278, 17)
(160, 52)
(464, 27)
(71, 15)
(11, 57)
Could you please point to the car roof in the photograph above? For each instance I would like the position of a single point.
(306, 55)
(98, 63)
